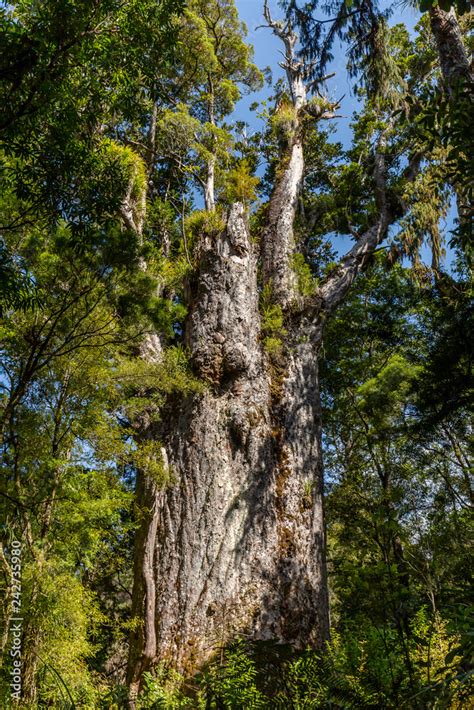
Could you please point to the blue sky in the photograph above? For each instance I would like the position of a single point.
(267, 48)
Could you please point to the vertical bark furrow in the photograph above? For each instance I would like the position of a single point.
(300, 489)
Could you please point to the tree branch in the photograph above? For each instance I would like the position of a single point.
(334, 289)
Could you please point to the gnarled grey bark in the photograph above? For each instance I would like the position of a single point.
(240, 538)
(456, 71)
(453, 59)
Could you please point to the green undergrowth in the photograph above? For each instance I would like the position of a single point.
(359, 669)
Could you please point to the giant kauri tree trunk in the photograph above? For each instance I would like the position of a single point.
(236, 545)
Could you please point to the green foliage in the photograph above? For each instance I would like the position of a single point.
(216, 66)
(163, 690)
(240, 184)
(145, 387)
(148, 458)
(130, 171)
(384, 395)
(215, 36)
(443, 127)
(284, 122)
(201, 224)
(67, 615)
(192, 142)
(72, 391)
(447, 385)
(306, 283)
(390, 490)
(361, 667)
(461, 6)
(273, 330)
(69, 69)
(362, 24)
(429, 202)
(233, 684)
(16, 289)
(174, 272)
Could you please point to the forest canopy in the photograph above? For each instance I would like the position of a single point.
(236, 355)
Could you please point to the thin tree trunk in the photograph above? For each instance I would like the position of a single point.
(7, 611)
(30, 646)
(209, 186)
(143, 636)
(209, 189)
